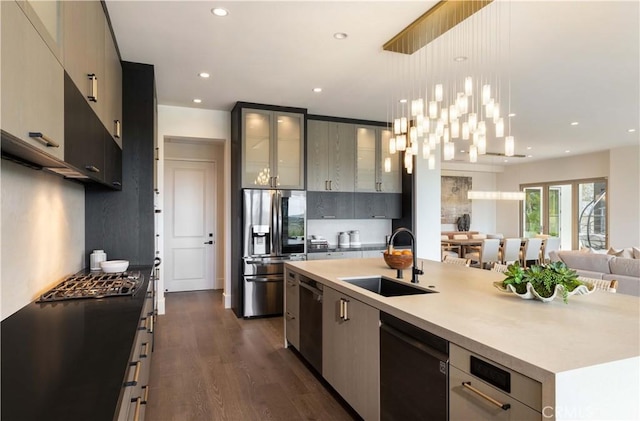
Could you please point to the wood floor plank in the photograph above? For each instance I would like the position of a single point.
(210, 365)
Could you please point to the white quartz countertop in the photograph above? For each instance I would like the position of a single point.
(537, 339)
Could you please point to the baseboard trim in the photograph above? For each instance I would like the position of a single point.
(227, 300)
(161, 305)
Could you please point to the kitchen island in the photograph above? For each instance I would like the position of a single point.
(584, 354)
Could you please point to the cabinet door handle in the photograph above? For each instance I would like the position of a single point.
(93, 95)
(326, 184)
(136, 413)
(145, 350)
(116, 183)
(146, 394)
(328, 217)
(341, 309)
(290, 316)
(330, 184)
(151, 325)
(136, 374)
(378, 216)
(503, 406)
(117, 127)
(92, 168)
(44, 139)
(346, 310)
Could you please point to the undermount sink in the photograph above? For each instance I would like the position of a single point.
(386, 286)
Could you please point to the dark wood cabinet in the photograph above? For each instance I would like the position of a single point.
(113, 163)
(378, 205)
(330, 205)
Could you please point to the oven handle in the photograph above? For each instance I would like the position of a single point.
(273, 278)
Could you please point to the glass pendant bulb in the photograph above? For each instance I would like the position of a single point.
(465, 131)
(445, 135)
(414, 148)
(426, 125)
(444, 115)
(473, 153)
(476, 137)
(432, 162)
(482, 144)
(387, 164)
(468, 86)
(401, 142)
(486, 94)
(420, 124)
(455, 129)
(473, 122)
(482, 127)
(413, 135)
(462, 104)
(414, 107)
(453, 113)
(500, 128)
(426, 150)
(403, 125)
(439, 128)
(392, 145)
(396, 126)
(433, 109)
(496, 112)
(509, 146)
(489, 108)
(449, 151)
(439, 92)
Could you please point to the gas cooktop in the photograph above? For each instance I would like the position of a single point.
(94, 285)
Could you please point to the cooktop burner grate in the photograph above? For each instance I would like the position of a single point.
(94, 285)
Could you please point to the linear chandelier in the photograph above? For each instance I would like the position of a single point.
(449, 92)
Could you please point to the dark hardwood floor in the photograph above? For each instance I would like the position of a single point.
(210, 365)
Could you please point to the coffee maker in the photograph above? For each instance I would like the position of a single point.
(260, 239)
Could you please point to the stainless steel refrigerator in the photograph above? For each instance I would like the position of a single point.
(274, 232)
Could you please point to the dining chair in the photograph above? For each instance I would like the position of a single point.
(531, 251)
(448, 249)
(550, 244)
(488, 252)
(478, 236)
(500, 236)
(608, 285)
(460, 261)
(460, 236)
(510, 250)
(499, 267)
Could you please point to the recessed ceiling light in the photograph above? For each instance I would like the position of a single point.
(574, 123)
(567, 151)
(219, 11)
(529, 156)
(197, 100)
(529, 148)
(506, 160)
(460, 58)
(317, 89)
(403, 101)
(631, 130)
(340, 35)
(280, 120)
(462, 151)
(512, 115)
(204, 75)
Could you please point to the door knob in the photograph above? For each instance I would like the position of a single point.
(208, 242)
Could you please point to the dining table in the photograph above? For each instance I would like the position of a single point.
(472, 244)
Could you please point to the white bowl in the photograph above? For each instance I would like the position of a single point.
(114, 266)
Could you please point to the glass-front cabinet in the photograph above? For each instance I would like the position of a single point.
(377, 170)
(272, 149)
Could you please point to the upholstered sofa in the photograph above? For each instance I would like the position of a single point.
(603, 266)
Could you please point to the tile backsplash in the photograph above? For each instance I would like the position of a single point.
(371, 230)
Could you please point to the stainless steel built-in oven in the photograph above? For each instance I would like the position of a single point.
(274, 232)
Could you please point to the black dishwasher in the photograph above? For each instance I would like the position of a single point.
(311, 322)
(413, 372)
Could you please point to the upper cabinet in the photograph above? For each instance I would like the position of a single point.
(272, 149)
(330, 156)
(32, 84)
(377, 170)
(92, 62)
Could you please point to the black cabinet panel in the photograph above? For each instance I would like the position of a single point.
(378, 205)
(113, 163)
(330, 205)
(83, 133)
(122, 223)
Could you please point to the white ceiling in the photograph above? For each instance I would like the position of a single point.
(570, 61)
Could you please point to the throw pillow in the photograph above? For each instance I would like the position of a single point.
(586, 250)
(636, 252)
(626, 253)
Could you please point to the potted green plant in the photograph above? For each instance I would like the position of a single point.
(543, 282)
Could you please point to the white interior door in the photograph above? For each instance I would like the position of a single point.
(189, 225)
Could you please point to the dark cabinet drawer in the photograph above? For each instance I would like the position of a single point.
(330, 205)
(112, 163)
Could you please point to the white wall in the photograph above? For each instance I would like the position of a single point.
(42, 233)
(196, 123)
(624, 197)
